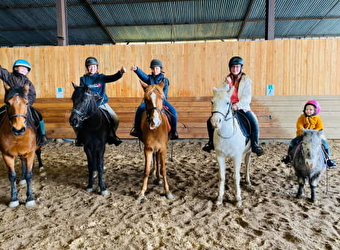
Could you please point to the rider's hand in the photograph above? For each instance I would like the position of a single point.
(134, 67)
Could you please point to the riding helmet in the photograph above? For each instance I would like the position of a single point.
(315, 104)
(236, 60)
(22, 62)
(91, 61)
(156, 63)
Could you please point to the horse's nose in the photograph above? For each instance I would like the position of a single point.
(18, 131)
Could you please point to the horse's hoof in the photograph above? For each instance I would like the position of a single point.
(41, 168)
(89, 190)
(169, 196)
(105, 192)
(238, 203)
(141, 197)
(219, 201)
(22, 182)
(30, 203)
(13, 204)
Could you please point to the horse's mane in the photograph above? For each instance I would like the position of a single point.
(79, 95)
(20, 91)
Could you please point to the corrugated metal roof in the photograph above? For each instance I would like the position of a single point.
(34, 22)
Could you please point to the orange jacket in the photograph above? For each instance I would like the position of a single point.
(308, 122)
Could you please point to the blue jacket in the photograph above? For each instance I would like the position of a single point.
(97, 84)
(152, 80)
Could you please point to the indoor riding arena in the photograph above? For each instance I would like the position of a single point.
(289, 50)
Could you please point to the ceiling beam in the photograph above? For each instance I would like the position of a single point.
(270, 20)
(62, 23)
(99, 20)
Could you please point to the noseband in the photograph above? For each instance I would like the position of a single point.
(225, 116)
(149, 111)
(15, 115)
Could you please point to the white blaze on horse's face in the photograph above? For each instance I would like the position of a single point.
(220, 106)
(156, 118)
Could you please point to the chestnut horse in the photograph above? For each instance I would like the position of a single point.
(155, 129)
(18, 139)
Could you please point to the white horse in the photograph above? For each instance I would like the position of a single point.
(229, 140)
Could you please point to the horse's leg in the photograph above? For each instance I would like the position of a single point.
(14, 202)
(313, 183)
(247, 163)
(29, 163)
(148, 161)
(221, 163)
(237, 177)
(301, 181)
(156, 169)
(90, 165)
(23, 172)
(162, 158)
(101, 181)
(38, 153)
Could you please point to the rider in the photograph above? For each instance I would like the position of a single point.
(240, 101)
(310, 119)
(18, 78)
(156, 77)
(97, 83)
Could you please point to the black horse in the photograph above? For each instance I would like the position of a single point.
(92, 127)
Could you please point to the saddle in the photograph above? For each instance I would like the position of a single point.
(243, 122)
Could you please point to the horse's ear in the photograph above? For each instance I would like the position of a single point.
(6, 86)
(26, 89)
(74, 86)
(143, 84)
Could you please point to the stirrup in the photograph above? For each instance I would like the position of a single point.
(43, 140)
(286, 159)
(173, 135)
(331, 164)
(114, 140)
(258, 150)
(134, 132)
(208, 147)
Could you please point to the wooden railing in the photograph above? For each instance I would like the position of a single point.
(277, 115)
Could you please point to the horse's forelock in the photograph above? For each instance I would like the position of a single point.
(20, 91)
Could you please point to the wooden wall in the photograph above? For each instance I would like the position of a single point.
(299, 70)
(295, 67)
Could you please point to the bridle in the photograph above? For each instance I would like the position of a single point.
(11, 117)
(226, 118)
(84, 114)
(149, 111)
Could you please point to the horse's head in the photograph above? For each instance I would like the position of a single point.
(84, 105)
(17, 107)
(220, 106)
(153, 98)
(311, 147)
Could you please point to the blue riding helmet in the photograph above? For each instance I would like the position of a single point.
(22, 62)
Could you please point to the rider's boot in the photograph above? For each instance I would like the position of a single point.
(210, 145)
(42, 138)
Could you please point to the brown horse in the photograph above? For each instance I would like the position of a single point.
(154, 136)
(18, 139)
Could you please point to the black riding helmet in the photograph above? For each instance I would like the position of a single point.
(91, 61)
(156, 63)
(236, 60)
